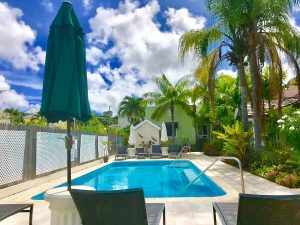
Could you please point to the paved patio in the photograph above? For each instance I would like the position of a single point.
(179, 211)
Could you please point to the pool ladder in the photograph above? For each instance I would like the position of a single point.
(221, 158)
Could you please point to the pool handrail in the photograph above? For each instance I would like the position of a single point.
(183, 148)
(220, 158)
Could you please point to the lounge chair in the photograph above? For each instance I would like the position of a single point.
(7, 210)
(173, 151)
(122, 207)
(156, 151)
(141, 152)
(259, 210)
(121, 153)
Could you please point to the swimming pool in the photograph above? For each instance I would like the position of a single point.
(157, 177)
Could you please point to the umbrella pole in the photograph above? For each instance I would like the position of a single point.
(69, 147)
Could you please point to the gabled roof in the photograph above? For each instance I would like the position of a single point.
(147, 121)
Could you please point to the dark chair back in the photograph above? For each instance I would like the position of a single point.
(124, 207)
(268, 210)
(156, 149)
(173, 148)
(121, 150)
(140, 150)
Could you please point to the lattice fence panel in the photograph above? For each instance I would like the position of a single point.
(12, 148)
(51, 153)
(87, 148)
(102, 148)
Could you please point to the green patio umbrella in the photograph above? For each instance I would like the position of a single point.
(65, 94)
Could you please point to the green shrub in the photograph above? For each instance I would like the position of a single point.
(287, 180)
(236, 140)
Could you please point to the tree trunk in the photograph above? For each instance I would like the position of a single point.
(256, 92)
(244, 93)
(173, 125)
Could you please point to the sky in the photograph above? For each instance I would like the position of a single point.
(127, 43)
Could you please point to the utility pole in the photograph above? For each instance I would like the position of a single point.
(109, 116)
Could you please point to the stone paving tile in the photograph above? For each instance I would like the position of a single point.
(179, 211)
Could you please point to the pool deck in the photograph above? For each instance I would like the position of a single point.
(179, 211)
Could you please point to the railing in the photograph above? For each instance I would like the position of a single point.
(183, 148)
(221, 158)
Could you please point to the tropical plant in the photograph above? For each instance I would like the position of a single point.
(169, 97)
(236, 140)
(37, 120)
(15, 116)
(228, 45)
(133, 108)
(289, 125)
(93, 125)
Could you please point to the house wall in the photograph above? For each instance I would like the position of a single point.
(145, 133)
(185, 124)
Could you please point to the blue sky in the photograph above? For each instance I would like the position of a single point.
(127, 43)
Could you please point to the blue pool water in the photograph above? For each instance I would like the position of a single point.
(157, 178)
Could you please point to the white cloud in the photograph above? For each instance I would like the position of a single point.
(10, 98)
(87, 5)
(16, 40)
(227, 72)
(48, 5)
(182, 20)
(141, 46)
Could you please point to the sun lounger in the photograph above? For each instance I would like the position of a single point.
(121, 153)
(122, 207)
(141, 152)
(173, 151)
(259, 210)
(7, 210)
(156, 151)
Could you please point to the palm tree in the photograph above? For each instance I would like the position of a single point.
(168, 98)
(265, 25)
(15, 116)
(132, 108)
(230, 46)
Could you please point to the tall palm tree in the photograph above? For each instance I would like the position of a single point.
(229, 44)
(265, 25)
(169, 97)
(133, 108)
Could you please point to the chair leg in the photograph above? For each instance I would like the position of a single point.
(30, 215)
(215, 219)
(164, 216)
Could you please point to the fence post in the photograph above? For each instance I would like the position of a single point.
(29, 168)
(96, 147)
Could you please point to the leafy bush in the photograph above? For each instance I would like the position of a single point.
(287, 180)
(289, 125)
(236, 140)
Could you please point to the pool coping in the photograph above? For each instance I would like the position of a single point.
(22, 193)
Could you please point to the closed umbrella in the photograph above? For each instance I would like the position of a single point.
(65, 93)
(131, 139)
(164, 136)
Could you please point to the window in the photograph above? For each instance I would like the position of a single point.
(169, 128)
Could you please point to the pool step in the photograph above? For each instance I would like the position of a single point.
(188, 175)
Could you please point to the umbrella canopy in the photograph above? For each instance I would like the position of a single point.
(65, 94)
(164, 136)
(65, 82)
(131, 139)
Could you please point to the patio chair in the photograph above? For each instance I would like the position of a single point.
(121, 153)
(173, 151)
(121, 207)
(156, 151)
(259, 210)
(7, 210)
(141, 152)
